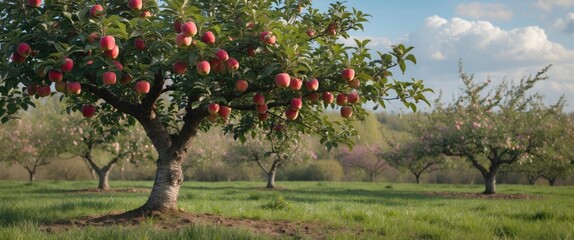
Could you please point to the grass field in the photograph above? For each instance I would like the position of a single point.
(380, 211)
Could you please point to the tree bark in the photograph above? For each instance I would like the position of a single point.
(418, 178)
(271, 178)
(168, 179)
(551, 181)
(532, 180)
(32, 176)
(490, 183)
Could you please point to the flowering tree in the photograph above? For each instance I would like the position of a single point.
(492, 127)
(370, 159)
(415, 156)
(185, 66)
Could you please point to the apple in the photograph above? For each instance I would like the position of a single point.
(34, 3)
(212, 118)
(61, 87)
(107, 43)
(113, 54)
(312, 85)
(88, 110)
(224, 111)
(109, 78)
(258, 99)
(55, 76)
(261, 108)
(310, 33)
(177, 26)
(213, 108)
(241, 85)
(267, 37)
(139, 43)
(348, 74)
(24, 50)
(295, 83)
(341, 99)
(282, 80)
(93, 37)
(182, 40)
(44, 91)
(218, 66)
(145, 14)
(222, 55)
(355, 83)
(296, 104)
(126, 78)
(142, 87)
(67, 65)
(264, 35)
(74, 88)
(179, 67)
(31, 89)
(328, 97)
(232, 64)
(475, 125)
(291, 114)
(279, 127)
(135, 5)
(332, 29)
(251, 51)
(208, 37)
(262, 116)
(346, 111)
(17, 58)
(189, 29)
(96, 10)
(353, 97)
(203, 68)
(118, 65)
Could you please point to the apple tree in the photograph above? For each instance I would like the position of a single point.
(368, 158)
(414, 156)
(492, 126)
(178, 67)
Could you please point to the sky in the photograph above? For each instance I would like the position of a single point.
(506, 39)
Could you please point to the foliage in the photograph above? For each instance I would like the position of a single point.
(368, 158)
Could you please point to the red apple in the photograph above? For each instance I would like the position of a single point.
(332, 29)
(341, 99)
(107, 43)
(312, 85)
(34, 3)
(179, 67)
(126, 78)
(346, 111)
(113, 54)
(67, 65)
(182, 40)
(258, 99)
(88, 110)
(267, 37)
(241, 85)
(142, 87)
(232, 64)
(118, 66)
(295, 83)
(251, 51)
(212, 118)
(213, 108)
(208, 37)
(353, 97)
(224, 111)
(109, 78)
(279, 127)
(310, 33)
(31, 89)
(55, 76)
(264, 35)
(348, 74)
(135, 5)
(96, 10)
(145, 14)
(74, 88)
(314, 97)
(261, 108)
(222, 55)
(328, 97)
(93, 37)
(44, 91)
(291, 114)
(218, 66)
(139, 43)
(24, 50)
(355, 83)
(188, 29)
(17, 58)
(203, 67)
(61, 87)
(296, 104)
(262, 116)
(282, 80)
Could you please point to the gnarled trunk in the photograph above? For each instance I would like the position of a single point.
(490, 179)
(271, 178)
(103, 176)
(168, 179)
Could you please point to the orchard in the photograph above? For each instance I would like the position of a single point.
(180, 67)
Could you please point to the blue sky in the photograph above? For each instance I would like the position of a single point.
(498, 39)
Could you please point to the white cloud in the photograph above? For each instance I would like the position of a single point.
(549, 4)
(488, 11)
(566, 24)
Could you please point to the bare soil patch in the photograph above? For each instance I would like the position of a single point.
(111, 190)
(482, 196)
(178, 220)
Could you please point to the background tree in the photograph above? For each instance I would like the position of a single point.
(175, 60)
(368, 158)
(492, 125)
(417, 157)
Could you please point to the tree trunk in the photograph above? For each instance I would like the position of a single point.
(271, 178)
(532, 180)
(418, 178)
(551, 181)
(168, 179)
(490, 183)
(32, 176)
(103, 182)
(373, 176)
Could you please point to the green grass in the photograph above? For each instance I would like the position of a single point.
(381, 211)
